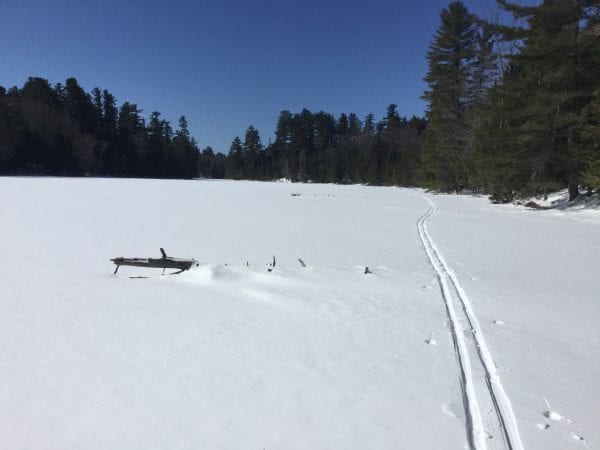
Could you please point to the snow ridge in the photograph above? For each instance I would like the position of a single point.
(500, 417)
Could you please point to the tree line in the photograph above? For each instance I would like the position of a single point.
(317, 147)
(62, 130)
(512, 109)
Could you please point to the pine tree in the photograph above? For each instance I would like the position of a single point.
(325, 140)
(184, 163)
(281, 148)
(183, 131)
(589, 151)
(366, 160)
(235, 160)
(251, 149)
(98, 109)
(79, 105)
(451, 56)
(533, 126)
(302, 145)
(130, 158)
(110, 112)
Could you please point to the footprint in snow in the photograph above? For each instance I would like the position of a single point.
(543, 426)
(452, 410)
(553, 414)
(579, 438)
(498, 322)
(431, 340)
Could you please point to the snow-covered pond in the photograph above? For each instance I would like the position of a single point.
(478, 326)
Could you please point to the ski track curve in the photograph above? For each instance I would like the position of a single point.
(480, 383)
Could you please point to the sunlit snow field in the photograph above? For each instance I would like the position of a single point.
(231, 356)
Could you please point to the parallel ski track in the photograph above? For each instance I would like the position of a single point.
(491, 386)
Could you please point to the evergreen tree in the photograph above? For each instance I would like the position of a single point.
(184, 159)
(589, 151)
(8, 130)
(98, 109)
(110, 112)
(66, 131)
(366, 159)
(42, 145)
(183, 131)
(302, 145)
(281, 148)
(235, 160)
(79, 105)
(251, 150)
(130, 158)
(451, 57)
(155, 148)
(534, 117)
(324, 142)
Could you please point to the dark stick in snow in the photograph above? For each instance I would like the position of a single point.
(159, 263)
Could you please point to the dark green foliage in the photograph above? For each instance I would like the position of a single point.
(533, 134)
(452, 95)
(211, 165)
(317, 147)
(184, 157)
(235, 160)
(251, 152)
(527, 129)
(63, 130)
(504, 124)
(589, 149)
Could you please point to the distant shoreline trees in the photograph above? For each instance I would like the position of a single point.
(62, 130)
(501, 124)
(317, 147)
(504, 124)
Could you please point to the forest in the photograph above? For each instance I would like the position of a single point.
(513, 109)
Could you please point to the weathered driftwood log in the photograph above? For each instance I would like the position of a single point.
(159, 263)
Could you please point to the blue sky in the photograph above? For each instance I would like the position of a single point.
(228, 64)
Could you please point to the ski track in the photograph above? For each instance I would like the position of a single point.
(480, 383)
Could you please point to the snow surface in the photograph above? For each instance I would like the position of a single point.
(231, 356)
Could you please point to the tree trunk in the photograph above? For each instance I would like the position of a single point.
(573, 191)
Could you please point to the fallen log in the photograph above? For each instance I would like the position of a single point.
(158, 263)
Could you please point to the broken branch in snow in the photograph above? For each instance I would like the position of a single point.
(272, 265)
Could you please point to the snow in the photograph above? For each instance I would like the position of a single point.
(230, 356)
(584, 207)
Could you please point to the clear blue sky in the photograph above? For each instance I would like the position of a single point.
(228, 64)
